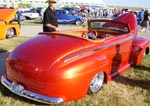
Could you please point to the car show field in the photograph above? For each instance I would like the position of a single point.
(124, 90)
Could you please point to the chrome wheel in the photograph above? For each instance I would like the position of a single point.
(10, 33)
(78, 22)
(144, 54)
(96, 83)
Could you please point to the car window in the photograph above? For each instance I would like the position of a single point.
(62, 12)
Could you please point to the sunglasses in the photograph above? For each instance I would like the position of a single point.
(52, 2)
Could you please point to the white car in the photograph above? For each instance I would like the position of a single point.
(30, 14)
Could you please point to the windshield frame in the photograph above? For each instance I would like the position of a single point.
(109, 21)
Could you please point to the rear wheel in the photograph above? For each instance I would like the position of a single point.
(10, 33)
(144, 54)
(96, 83)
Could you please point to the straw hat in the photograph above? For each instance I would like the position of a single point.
(51, 1)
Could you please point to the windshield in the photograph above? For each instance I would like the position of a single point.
(109, 25)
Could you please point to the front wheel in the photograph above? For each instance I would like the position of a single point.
(10, 33)
(78, 22)
(144, 54)
(146, 51)
(96, 83)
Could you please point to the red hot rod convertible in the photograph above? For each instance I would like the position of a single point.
(63, 66)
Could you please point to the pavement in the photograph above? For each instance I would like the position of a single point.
(145, 35)
(34, 30)
(3, 57)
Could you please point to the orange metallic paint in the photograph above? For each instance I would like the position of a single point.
(62, 66)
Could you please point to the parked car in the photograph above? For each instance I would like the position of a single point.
(64, 66)
(66, 17)
(8, 28)
(19, 16)
(28, 14)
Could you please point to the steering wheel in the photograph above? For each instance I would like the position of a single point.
(91, 34)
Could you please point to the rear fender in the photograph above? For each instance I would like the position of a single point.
(141, 46)
(76, 73)
(87, 65)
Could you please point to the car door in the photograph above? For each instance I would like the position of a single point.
(119, 50)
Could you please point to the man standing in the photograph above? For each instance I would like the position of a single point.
(50, 19)
(141, 16)
(146, 21)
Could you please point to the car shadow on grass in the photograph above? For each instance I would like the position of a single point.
(142, 67)
(133, 82)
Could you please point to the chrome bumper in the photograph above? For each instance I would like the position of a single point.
(19, 90)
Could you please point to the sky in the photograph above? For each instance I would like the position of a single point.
(129, 3)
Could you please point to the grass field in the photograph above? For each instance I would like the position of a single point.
(10, 44)
(129, 89)
(36, 22)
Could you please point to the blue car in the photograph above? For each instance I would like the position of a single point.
(66, 17)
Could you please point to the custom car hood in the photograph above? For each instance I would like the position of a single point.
(7, 14)
(34, 58)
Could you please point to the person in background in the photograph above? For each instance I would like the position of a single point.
(50, 19)
(18, 15)
(146, 21)
(141, 16)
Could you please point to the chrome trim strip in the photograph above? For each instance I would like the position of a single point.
(75, 56)
(31, 95)
(112, 44)
(101, 47)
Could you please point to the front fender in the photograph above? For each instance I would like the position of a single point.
(140, 46)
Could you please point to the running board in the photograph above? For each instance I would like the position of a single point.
(120, 71)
